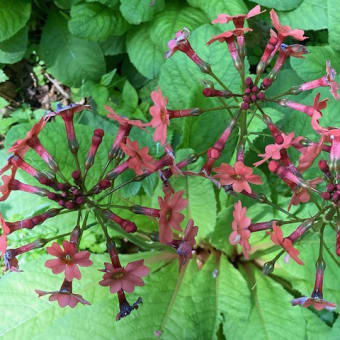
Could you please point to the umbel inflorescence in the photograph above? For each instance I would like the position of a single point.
(70, 192)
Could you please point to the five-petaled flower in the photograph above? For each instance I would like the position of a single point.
(170, 216)
(240, 224)
(184, 250)
(67, 260)
(140, 159)
(124, 278)
(317, 303)
(238, 176)
(160, 116)
(277, 237)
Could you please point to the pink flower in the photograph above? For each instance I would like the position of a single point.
(318, 304)
(227, 36)
(64, 296)
(238, 20)
(308, 155)
(124, 278)
(170, 216)
(67, 260)
(273, 150)
(184, 250)
(238, 176)
(139, 158)
(301, 195)
(160, 116)
(240, 225)
(326, 80)
(277, 237)
(285, 31)
(123, 120)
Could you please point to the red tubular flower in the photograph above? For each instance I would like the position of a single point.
(327, 80)
(21, 146)
(160, 116)
(64, 296)
(238, 176)
(316, 300)
(67, 260)
(170, 215)
(127, 225)
(96, 141)
(123, 120)
(184, 250)
(215, 151)
(67, 114)
(139, 158)
(277, 237)
(137, 209)
(3, 237)
(240, 225)
(238, 21)
(273, 150)
(118, 170)
(285, 31)
(181, 43)
(228, 37)
(124, 278)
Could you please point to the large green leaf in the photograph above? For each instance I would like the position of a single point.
(13, 49)
(13, 17)
(333, 23)
(147, 44)
(286, 5)
(96, 22)
(69, 59)
(138, 11)
(310, 15)
(214, 7)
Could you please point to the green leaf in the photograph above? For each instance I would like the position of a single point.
(214, 7)
(310, 15)
(3, 76)
(333, 23)
(138, 11)
(95, 22)
(69, 59)
(108, 77)
(113, 45)
(98, 92)
(3, 102)
(13, 17)
(13, 49)
(286, 5)
(147, 44)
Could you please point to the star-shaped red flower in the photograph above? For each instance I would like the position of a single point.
(67, 260)
(124, 278)
(238, 176)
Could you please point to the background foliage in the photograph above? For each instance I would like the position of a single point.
(112, 52)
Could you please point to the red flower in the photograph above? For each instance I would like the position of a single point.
(326, 80)
(238, 20)
(64, 296)
(226, 36)
(185, 248)
(6, 187)
(273, 150)
(139, 158)
(277, 237)
(67, 260)
(180, 42)
(285, 31)
(160, 116)
(3, 237)
(317, 303)
(240, 224)
(170, 215)
(123, 120)
(20, 147)
(237, 176)
(124, 278)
